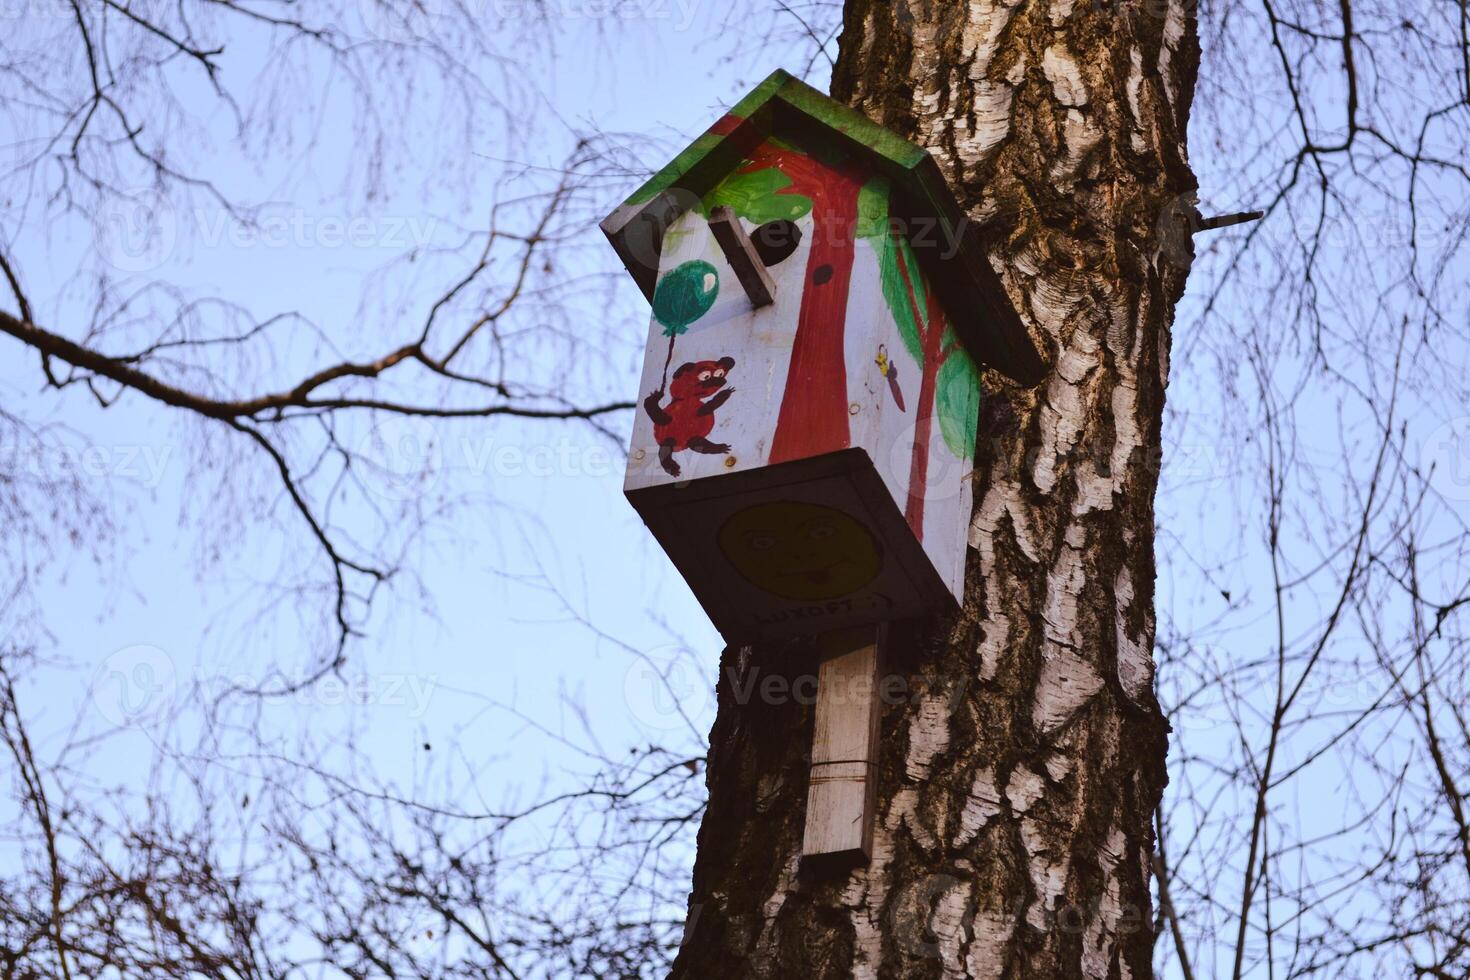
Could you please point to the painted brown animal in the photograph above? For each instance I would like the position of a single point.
(696, 391)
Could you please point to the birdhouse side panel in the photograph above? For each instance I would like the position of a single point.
(917, 397)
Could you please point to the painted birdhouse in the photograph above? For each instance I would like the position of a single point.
(806, 422)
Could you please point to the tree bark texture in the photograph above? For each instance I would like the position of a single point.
(1022, 748)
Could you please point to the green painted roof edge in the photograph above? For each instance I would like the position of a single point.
(707, 141)
(893, 148)
(889, 146)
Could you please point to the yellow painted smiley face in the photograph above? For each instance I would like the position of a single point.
(800, 551)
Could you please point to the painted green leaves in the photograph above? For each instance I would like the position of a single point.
(921, 324)
(756, 195)
(957, 399)
(873, 209)
(898, 268)
(903, 288)
(684, 294)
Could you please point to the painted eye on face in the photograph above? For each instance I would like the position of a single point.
(704, 375)
(760, 540)
(719, 372)
(820, 531)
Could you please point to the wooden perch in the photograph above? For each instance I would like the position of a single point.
(742, 256)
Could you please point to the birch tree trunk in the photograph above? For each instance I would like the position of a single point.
(1024, 755)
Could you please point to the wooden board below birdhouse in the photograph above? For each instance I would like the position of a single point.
(801, 547)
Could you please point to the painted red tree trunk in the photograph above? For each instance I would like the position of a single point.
(932, 335)
(813, 417)
(929, 326)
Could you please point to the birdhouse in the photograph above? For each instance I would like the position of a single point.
(805, 426)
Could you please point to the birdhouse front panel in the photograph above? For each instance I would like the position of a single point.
(806, 422)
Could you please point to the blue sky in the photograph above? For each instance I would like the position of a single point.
(480, 653)
(483, 615)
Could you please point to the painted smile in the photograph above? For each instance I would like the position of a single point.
(816, 576)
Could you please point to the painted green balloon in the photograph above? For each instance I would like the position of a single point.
(685, 294)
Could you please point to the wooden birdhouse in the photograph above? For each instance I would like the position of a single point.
(806, 421)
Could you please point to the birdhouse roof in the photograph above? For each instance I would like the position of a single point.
(786, 108)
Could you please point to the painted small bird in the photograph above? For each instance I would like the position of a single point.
(889, 370)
